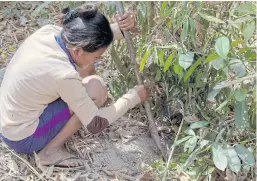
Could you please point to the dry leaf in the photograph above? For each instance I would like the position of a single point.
(58, 178)
(13, 166)
(42, 22)
(49, 171)
(146, 177)
(191, 118)
(76, 176)
(100, 179)
(3, 25)
(203, 132)
(230, 176)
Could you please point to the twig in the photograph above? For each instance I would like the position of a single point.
(1, 42)
(231, 82)
(127, 177)
(12, 25)
(89, 157)
(107, 172)
(15, 38)
(26, 163)
(172, 151)
(116, 173)
(132, 50)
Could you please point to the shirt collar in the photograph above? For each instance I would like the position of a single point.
(59, 40)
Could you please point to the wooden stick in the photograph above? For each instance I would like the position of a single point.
(132, 51)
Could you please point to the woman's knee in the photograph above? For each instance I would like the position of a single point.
(96, 89)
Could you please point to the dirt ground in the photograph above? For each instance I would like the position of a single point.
(123, 151)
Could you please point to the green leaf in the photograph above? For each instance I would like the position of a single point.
(192, 30)
(235, 66)
(211, 18)
(236, 43)
(220, 135)
(192, 69)
(161, 57)
(172, 46)
(243, 50)
(199, 124)
(139, 51)
(40, 8)
(241, 116)
(185, 30)
(203, 143)
(245, 155)
(234, 162)
(240, 95)
(168, 62)
(227, 83)
(145, 57)
(158, 76)
(221, 105)
(234, 24)
(218, 63)
(170, 23)
(177, 69)
(244, 19)
(178, 142)
(249, 30)
(142, 9)
(190, 144)
(222, 46)
(212, 56)
(250, 55)
(163, 6)
(185, 60)
(219, 157)
(209, 170)
(190, 132)
(191, 158)
(246, 168)
(247, 8)
(211, 95)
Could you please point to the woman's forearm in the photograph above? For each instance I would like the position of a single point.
(108, 115)
(117, 33)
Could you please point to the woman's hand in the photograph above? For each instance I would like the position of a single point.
(142, 92)
(127, 21)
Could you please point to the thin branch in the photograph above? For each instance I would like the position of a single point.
(132, 51)
(172, 151)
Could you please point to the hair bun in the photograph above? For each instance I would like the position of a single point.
(87, 11)
(66, 10)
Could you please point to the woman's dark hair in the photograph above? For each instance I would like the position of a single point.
(86, 28)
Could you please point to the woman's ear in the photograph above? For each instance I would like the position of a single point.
(75, 53)
(79, 52)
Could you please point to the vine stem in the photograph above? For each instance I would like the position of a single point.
(172, 151)
(132, 51)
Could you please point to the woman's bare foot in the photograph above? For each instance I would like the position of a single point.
(54, 157)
